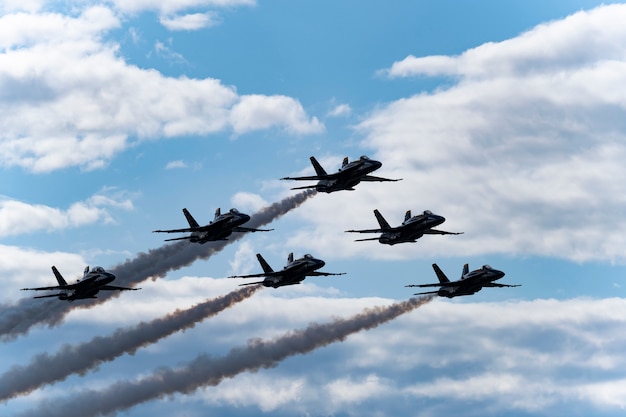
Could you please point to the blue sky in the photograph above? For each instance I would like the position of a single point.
(504, 117)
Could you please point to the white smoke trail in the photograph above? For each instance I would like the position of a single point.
(19, 318)
(205, 370)
(47, 369)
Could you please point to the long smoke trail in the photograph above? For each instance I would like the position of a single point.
(205, 370)
(18, 319)
(47, 369)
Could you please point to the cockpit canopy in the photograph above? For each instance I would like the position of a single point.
(428, 213)
(364, 158)
(308, 256)
(98, 269)
(233, 211)
(487, 267)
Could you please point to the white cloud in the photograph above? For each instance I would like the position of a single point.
(248, 201)
(176, 164)
(255, 112)
(492, 358)
(169, 7)
(340, 110)
(193, 21)
(17, 217)
(68, 99)
(524, 153)
(21, 267)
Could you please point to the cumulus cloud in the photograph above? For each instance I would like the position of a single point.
(193, 21)
(18, 217)
(486, 358)
(176, 164)
(22, 267)
(524, 153)
(248, 201)
(169, 7)
(254, 112)
(68, 99)
(340, 110)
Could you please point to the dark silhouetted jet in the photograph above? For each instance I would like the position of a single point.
(470, 282)
(411, 229)
(92, 282)
(222, 226)
(349, 175)
(293, 273)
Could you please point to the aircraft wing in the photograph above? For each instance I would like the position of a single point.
(308, 178)
(369, 238)
(440, 232)
(178, 238)
(367, 231)
(438, 284)
(188, 229)
(426, 292)
(56, 287)
(324, 274)
(263, 274)
(114, 288)
(49, 296)
(495, 284)
(250, 283)
(250, 229)
(372, 178)
(61, 287)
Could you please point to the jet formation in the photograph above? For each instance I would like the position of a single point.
(92, 282)
(411, 229)
(222, 226)
(469, 283)
(348, 176)
(293, 273)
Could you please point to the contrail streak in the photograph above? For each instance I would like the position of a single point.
(18, 319)
(47, 369)
(205, 370)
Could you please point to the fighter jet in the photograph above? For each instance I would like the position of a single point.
(92, 282)
(411, 229)
(222, 226)
(470, 282)
(293, 273)
(349, 175)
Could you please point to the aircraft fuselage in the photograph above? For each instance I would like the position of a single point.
(89, 287)
(351, 178)
(223, 230)
(412, 229)
(471, 283)
(294, 273)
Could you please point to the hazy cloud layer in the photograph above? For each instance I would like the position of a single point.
(523, 152)
(69, 99)
(535, 357)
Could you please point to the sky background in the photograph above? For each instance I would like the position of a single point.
(507, 118)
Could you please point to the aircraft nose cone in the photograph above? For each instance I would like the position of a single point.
(245, 217)
(321, 263)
